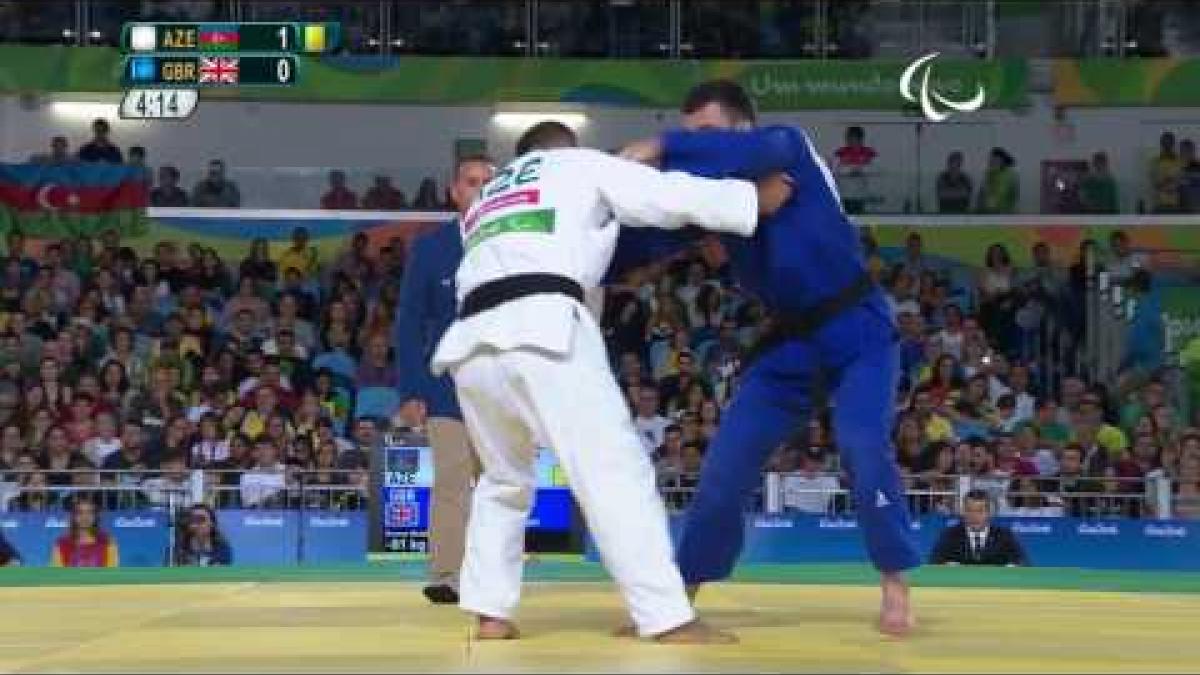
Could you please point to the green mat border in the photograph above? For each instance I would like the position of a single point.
(568, 568)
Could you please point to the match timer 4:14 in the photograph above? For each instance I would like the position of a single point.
(158, 104)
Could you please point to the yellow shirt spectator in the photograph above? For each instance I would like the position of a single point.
(1166, 173)
(304, 260)
(938, 428)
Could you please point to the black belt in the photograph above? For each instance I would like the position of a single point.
(802, 325)
(495, 293)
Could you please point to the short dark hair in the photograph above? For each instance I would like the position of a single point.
(475, 157)
(545, 135)
(728, 94)
(978, 495)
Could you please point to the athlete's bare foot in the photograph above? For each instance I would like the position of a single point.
(696, 632)
(896, 617)
(496, 629)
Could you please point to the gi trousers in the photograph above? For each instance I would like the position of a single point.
(513, 401)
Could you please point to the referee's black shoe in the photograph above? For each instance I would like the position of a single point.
(441, 594)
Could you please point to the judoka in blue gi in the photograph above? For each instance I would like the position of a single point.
(828, 320)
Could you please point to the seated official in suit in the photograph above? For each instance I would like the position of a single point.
(976, 540)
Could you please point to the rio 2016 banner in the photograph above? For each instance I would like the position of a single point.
(776, 85)
(1048, 542)
(256, 537)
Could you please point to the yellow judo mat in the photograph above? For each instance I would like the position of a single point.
(168, 624)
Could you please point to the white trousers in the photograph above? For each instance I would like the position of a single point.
(511, 401)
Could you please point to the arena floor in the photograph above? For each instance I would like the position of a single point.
(792, 619)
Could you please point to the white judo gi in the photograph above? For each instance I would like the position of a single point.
(533, 371)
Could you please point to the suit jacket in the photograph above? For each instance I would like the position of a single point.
(426, 308)
(1000, 548)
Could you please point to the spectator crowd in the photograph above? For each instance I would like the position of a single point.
(974, 400)
(127, 369)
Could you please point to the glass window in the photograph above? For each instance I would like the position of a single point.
(599, 28)
(874, 28)
(360, 21)
(762, 29)
(105, 17)
(39, 23)
(470, 27)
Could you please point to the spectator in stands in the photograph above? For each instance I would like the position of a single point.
(1189, 179)
(915, 261)
(1123, 261)
(339, 197)
(168, 192)
(200, 542)
(1145, 343)
(976, 540)
(382, 196)
(258, 265)
(427, 196)
(809, 489)
(137, 160)
(9, 557)
(366, 445)
(100, 148)
(354, 262)
(650, 423)
(1098, 189)
(375, 369)
(215, 190)
(1166, 174)
(300, 255)
(851, 165)
(262, 485)
(954, 186)
(60, 153)
(1000, 189)
(84, 544)
(995, 287)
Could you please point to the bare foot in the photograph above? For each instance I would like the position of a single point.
(696, 632)
(896, 617)
(627, 629)
(496, 629)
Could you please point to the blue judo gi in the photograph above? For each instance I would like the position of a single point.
(805, 253)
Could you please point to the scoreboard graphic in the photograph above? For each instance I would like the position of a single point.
(407, 483)
(167, 64)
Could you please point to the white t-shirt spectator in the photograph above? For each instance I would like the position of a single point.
(808, 494)
(653, 431)
(98, 449)
(952, 343)
(205, 453)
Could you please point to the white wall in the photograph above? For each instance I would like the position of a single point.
(280, 151)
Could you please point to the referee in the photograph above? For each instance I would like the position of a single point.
(427, 306)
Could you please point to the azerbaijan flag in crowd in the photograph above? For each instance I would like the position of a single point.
(70, 200)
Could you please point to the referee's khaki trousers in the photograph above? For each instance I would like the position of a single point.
(455, 470)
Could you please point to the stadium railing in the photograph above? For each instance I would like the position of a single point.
(1025, 496)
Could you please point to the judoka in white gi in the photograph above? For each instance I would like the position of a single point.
(530, 368)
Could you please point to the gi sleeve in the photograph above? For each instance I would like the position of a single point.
(413, 376)
(745, 154)
(641, 196)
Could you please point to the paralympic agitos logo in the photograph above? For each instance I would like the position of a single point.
(928, 97)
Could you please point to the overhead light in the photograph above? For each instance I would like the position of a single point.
(88, 110)
(521, 120)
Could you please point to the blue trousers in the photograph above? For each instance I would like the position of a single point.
(859, 358)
